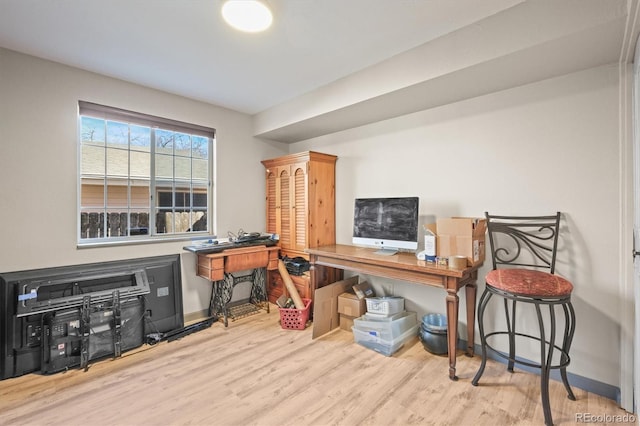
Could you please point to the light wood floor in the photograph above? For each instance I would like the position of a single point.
(255, 373)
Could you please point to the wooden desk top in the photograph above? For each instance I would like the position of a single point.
(402, 266)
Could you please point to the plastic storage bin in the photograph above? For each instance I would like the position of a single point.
(386, 328)
(295, 319)
(385, 305)
(386, 347)
(369, 316)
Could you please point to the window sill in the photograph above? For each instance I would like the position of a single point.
(143, 240)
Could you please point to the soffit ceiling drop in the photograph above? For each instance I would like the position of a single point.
(324, 65)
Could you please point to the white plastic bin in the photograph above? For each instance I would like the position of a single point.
(386, 328)
(385, 305)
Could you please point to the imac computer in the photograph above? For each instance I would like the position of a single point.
(390, 224)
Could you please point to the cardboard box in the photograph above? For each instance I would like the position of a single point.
(464, 236)
(325, 306)
(363, 290)
(349, 304)
(346, 322)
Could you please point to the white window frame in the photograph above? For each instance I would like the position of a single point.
(134, 118)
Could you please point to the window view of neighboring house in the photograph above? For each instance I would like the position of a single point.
(141, 175)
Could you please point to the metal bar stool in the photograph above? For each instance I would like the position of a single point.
(524, 248)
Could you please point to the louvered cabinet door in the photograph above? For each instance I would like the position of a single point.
(283, 213)
(272, 226)
(299, 207)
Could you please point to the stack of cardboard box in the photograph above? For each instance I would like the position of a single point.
(352, 305)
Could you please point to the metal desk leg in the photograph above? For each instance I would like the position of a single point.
(259, 287)
(221, 293)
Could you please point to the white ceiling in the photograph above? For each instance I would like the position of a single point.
(183, 46)
(326, 65)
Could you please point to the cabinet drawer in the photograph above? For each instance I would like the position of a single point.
(273, 260)
(274, 294)
(301, 282)
(304, 288)
(211, 268)
(243, 261)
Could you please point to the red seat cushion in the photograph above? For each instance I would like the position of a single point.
(528, 282)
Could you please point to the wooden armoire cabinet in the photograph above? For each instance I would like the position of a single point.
(300, 207)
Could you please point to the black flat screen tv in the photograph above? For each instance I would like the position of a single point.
(390, 224)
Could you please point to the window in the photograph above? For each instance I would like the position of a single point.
(141, 176)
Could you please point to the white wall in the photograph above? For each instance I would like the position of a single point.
(537, 149)
(38, 166)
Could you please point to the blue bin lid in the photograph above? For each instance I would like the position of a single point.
(436, 322)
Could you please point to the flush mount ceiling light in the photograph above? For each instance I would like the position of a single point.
(251, 16)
